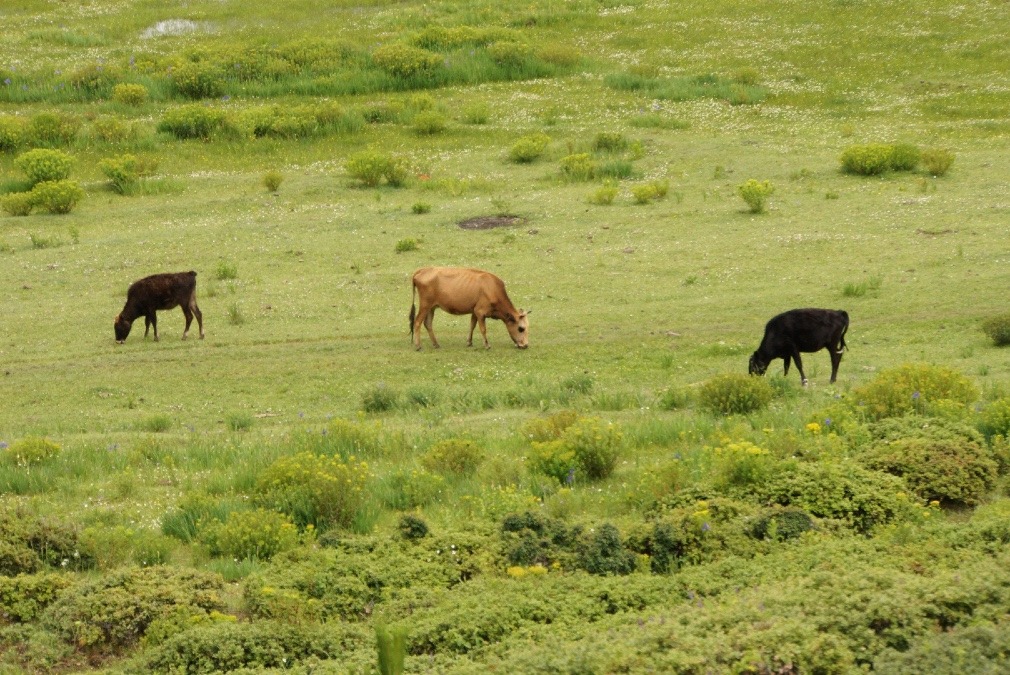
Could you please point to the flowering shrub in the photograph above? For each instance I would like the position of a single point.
(741, 465)
(250, 535)
(913, 388)
(458, 456)
(647, 192)
(49, 129)
(995, 419)
(734, 393)
(528, 148)
(314, 489)
(936, 161)
(756, 193)
(56, 196)
(94, 78)
(551, 427)
(578, 167)
(130, 94)
(31, 450)
(586, 448)
(867, 160)
(371, 167)
(272, 180)
(905, 157)
(198, 79)
(12, 133)
(125, 171)
(43, 164)
(428, 123)
(404, 61)
(604, 195)
(509, 52)
(17, 203)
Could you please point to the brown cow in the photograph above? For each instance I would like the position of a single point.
(159, 291)
(460, 290)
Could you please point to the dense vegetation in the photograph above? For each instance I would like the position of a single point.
(302, 491)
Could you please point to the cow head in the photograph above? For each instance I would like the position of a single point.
(122, 327)
(757, 366)
(519, 329)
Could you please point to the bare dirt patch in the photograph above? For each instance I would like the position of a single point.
(490, 222)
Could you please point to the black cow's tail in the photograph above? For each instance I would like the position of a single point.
(413, 309)
(845, 327)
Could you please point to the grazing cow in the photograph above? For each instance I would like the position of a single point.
(459, 290)
(802, 330)
(159, 291)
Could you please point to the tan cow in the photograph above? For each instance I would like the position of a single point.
(460, 290)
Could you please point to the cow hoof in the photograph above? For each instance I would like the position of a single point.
(804, 381)
(183, 336)
(201, 336)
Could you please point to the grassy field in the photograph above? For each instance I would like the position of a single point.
(637, 308)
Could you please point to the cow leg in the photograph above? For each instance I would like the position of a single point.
(189, 319)
(799, 367)
(147, 326)
(199, 317)
(836, 360)
(787, 359)
(428, 319)
(483, 332)
(152, 318)
(473, 324)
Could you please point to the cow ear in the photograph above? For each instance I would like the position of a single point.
(527, 312)
(509, 318)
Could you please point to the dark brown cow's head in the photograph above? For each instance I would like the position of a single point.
(122, 327)
(519, 329)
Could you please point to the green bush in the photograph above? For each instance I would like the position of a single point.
(755, 193)
(30, 451)
(734, 394)
(845, 491)
(604, 195)
(605, 554)
(979, 649)
(936, 161)
(57, 196)
(404, 61)
(549, 428)
(528, 148)
(611, 141)
(421, 208)
(741, 465)
(130, 94)
(913, 388)
(905, 157)
(12, 133)
(867, 160)
(647, 192)
(578, 167)
(114, 612)
(24, 597)
(379, 398)
(198, 79)
(370, 167)
(403, 490)
(475, 113)
(225, 646)
(43, 164)
(782, 523)
(94, 78)
(995, 419)
(997, 329)
(509, 53)
(111, 129)
(272, 180)
(48, 129)
(584, 449)
(949, 471)
(456, 456)
(314, 489)
(125, 171)
(428, 123)
(195, 510)
(191, 121)
(250, 535)
(412, 527)
(17, 203)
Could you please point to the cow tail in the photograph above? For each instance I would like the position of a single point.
(413, 309)
(845, 328)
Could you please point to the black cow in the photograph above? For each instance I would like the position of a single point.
(159, 291)
(802, 330)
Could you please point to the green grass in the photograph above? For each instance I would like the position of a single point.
(305, 291)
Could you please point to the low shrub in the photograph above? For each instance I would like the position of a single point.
(995, 419)
(114, 612)
(428, 123)
(43, 164)
(198, 79)
(604, 195)
(24, 597)
(17, 203)
(755, 193)
(30, 451)
(780, 524)
(475, 113)
(937, 162)
(578, 167)
(905, 157)
(867, 160)
(455, 456)
(370, 167)
(980, 648)
(125, 171)
(95, 79)
(740, 465)
(256, 534)
(12, 133)
(648, 192)
(997, 329)
(612, 141)
(509, 53)
(57, 196)
(412, 527)
(379, 398)
(948, 471)
(192, 121)
(549, 428)
(529, 148)
(584, 449)
(50, 129)
(111, 129)
(420, 208)
(313, 489)
(604, 553)
(130, 94)
(272, 180)
(913, 388)
(406, 245)
(734, 394)
(405, 61)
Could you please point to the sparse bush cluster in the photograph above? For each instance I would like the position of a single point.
(756, 193)
(877, 158)
(584, 449)
(371, 167)
(734, 394)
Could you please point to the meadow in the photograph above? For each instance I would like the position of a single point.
(301, 490)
